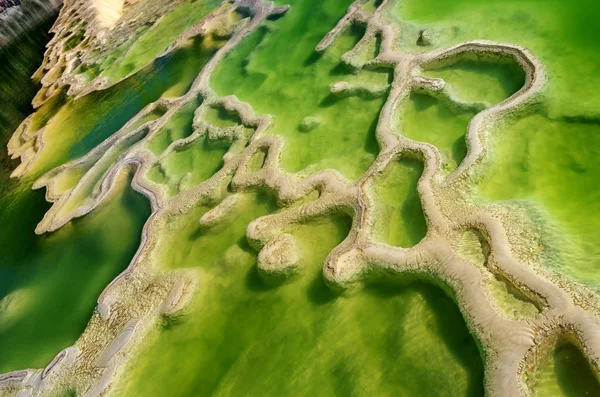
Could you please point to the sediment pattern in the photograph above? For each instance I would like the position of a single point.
(512, 348)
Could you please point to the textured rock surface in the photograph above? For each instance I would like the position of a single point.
(16, 20)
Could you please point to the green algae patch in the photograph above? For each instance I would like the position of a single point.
(507, 299)
(219, 117)
(476, 81)
(567, 374)
(547, 161)
(179, 126)
(158, 38)
(49, 284)
(293, 83)
(546, 27)
(152, 116)
(473, 248)
(428, 119)
(510, 301)
(187, 166)
(399, 219)
(80, 125)
(242, 336)
(188, 244)
(552, 167)
(86, 188)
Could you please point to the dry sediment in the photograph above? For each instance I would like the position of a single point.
(512, 349)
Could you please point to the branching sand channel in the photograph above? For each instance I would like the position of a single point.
(512, 347)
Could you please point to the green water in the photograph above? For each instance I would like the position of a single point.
(292, 82)
(555, 164)
(242, 337)
(49, 284)
(157, 39)
(79, 125)
(546, 159)
(430, 120)
(399, 219)
(549, 158)
(189, 166)
(219, 117)
(179, 126)
(481, 81)
(567, 374)
(562, 34)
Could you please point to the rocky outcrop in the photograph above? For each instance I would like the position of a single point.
(17, 20)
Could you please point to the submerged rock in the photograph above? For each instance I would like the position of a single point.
(279, 260)
(425, 38)
(309, 123)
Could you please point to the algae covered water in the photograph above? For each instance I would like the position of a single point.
(548, 158)
(49, 284)
(241, 335)
(292, 83)
(411, 329)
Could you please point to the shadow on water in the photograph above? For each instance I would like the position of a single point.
(573, 373)
(318, 292)
(329, 101)
(341, 69)
(313, 58)
(423, 102)
(412, 211)
(399, 220)
(459, 150)
(253, 280)
(371, 144)
(448, 324)
(49, 284)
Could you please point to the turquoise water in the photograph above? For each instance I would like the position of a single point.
(49, 284)
(80, 125)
